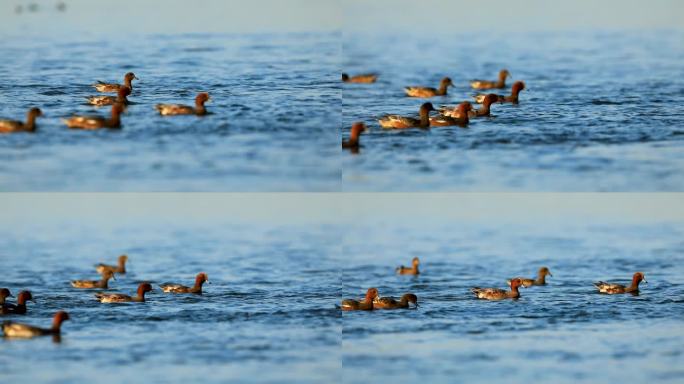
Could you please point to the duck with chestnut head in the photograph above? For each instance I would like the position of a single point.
(20, 307)
(114, 87)
(90, 284)
(11, 126)
(486, 84)
(425, 92)
(143, 288)
(20, 330)
(402, 122)
(412, 270)
(612, 288)
(540, 280)
(517, 87)
(180, 109)
(361, 305)
(353, 142)
(498, 294)
(391, 303)
(200, 279)
(120, 268)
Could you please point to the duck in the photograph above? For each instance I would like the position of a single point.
(364, 78)
(4, 293)
(120, 269)
(612, 289)
(361, 305)
(89, 284)
(472, 113)
(178, 109)
(353, 142)
(425, 92)
(19, 330)
(458, 116)
(96, 122)
(486, 104)
(113, 87)
(485, 84)
(121, 298)
(177, 288)
(11, 126)
(109, 100)
(540, 280)
(20, 307)
(498, 294)
(391, 303)
(401, 122)
(413, 270)
(513, 98)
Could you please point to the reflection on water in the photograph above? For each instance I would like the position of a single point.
(603, 111)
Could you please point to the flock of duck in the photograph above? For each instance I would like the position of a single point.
(13, 329)
(373, 301)
(458, 115)
(118, 103)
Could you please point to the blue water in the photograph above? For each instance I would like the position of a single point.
(267, 316)
(563, 332)
(275, 103)
(604, 111)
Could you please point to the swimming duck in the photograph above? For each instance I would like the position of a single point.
(611, 289)
(391, 303)
(365, 78)
(102, 283)
(482, 111)
(485, 84)
(12, 329)
(113, 87)
(363, 305)
(20, 308)
(429, 92)
(540, 280)
(413, 270)
(4, 293)
(178, 109)
(120, 269)
(353, 142)
(457, 116)
(109, 100)
(486, 104)
(177, 288)
(96, 122)
(121, 298)
(513, 98)
(10, 126)
(498, 294)
(400, 122)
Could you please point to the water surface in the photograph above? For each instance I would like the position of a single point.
(563, 332)
(604, 111)
(274, 98)
(267, 315)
